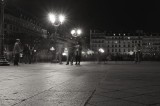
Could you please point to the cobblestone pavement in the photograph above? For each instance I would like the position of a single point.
(90, 84)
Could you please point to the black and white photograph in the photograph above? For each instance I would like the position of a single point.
(79, 52)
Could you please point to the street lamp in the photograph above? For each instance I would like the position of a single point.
(3, 61)
(101, 50)
(56, 20)
(76, 32)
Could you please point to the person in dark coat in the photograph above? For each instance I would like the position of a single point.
(16, 51)
(78, 54)
(60, 50)
(26, 53)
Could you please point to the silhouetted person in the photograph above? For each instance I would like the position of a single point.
(60, 50)
(32, 55)
(26, 53)
(138, 54)
(78, 54)
(16, 51)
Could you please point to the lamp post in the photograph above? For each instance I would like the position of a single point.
(3, 61)
(78, 47)
(56, 20)
(76, 32)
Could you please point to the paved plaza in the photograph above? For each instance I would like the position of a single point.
(90, 84)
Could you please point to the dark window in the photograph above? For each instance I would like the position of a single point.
(5, 26)
(5, 32)
(10, 27)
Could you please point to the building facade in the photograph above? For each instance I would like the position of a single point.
(125, 43)
(113, 43)
(18, 24)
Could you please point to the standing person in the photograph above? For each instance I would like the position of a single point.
(16, 51)
(59, 53)
(34, 55)
(26, 53)
(31, 57)
(137, 54)
(78, 54)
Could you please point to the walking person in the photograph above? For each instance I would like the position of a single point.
(78, 54)
(16, 51)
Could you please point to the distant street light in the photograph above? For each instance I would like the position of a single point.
(101, 50)
(56, 21)
(76, 32)
(3, 61)
(89, 52)
(65, 53)
(52, 49)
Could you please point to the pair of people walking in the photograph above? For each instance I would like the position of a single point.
(74, 53)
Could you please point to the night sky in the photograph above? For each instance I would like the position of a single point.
(109, 15)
